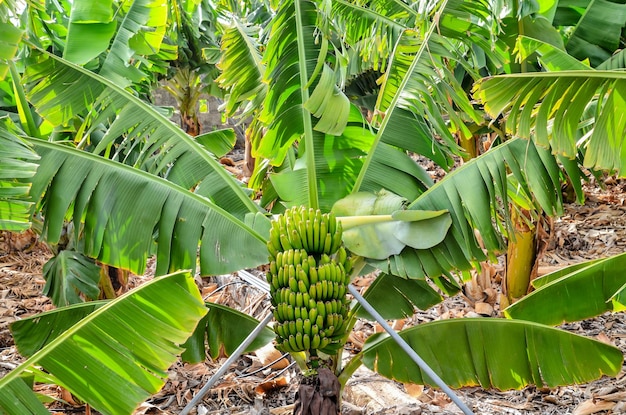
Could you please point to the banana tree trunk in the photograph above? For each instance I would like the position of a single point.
(521, 257)
(318, 394)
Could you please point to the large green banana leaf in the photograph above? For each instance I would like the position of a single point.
(597, 28)
(117, 356)
(573, 293)
(123, 211)
(17, 165)
(60, 90)
(552, 107)
(493, 353)
(476, 196)
(396, 298)
(90, 29)
(222, 329)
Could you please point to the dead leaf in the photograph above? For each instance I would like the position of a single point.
(268, 354)
(414, 390)
(271, 385)
(592, 406)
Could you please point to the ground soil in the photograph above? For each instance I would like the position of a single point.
(593, 230)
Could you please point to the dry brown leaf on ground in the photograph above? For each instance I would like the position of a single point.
(593, 406)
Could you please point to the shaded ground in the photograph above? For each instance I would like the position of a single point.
(596, 229)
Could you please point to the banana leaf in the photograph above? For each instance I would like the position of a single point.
(10, 37)
(574, 293)
(69, 274)
(222, 330)
(552, 108)
(493, 353)
(123, 349)
(120, 212)
(395, 298)
(17, 166)
(60, 91)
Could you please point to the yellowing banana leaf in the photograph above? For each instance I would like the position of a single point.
(222, 330)
(493, 353)
(123, 211)
(17, 166)
(394, 297)
(574, 293)
(123, 349)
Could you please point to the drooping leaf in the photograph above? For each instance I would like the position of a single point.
(574, 293)
(493, 353)
(126, 345)
(122, 211)
(60, 91)
(551, 106)
(329, 104)
(69, 274)
(222, 330)
(90, 30)
(396, 298)
(479, 209)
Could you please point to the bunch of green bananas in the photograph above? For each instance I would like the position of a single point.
(308, 276)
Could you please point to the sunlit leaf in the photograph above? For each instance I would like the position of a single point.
(493, 353)
(126, 345)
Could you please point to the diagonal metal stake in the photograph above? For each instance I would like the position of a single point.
(412, 354)
(234, 356)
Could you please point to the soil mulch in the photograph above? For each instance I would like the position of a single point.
(253, 386)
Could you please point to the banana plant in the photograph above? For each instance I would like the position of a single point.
(220, 218)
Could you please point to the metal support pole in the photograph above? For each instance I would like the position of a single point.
(238, 352)
(412, 354)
